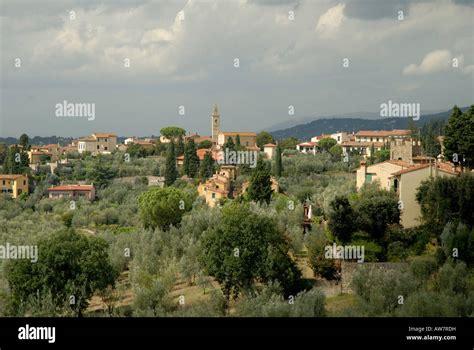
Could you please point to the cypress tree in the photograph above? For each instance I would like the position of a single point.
(260, 189)
(230, 145)
(278, 162)
(171, 173)
(191, 160)
(207, 166)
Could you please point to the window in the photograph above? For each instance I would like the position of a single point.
(213, 196)
(97, 146)
(246, 143)
(106, 148)
(3, 182)
(105, 140)
(368, 178)
(395, 185)
(24, 182)
(18, 192)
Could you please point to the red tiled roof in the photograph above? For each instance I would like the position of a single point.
(445, 167)
(361, 144)
(269, 145)
(72, 188)
(383, 133)
(244, 133)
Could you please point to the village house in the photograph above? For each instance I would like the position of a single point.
(406, 183)
(307, 147)
(380, 172)
(14, 184)
(383, 136)
(339, 137)
(219, 185)
(270, 150)
(97, 143)
(37, 153)
(361, 147)
(72, 191)
(404, 178)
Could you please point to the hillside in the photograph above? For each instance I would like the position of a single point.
(331, 125)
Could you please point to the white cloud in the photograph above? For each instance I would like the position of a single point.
(437, 61)
(331, 20)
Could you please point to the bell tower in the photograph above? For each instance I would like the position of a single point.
(216, 123)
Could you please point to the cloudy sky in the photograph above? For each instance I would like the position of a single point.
(183, 53)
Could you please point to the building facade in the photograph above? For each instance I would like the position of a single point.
(13, 184)
(97, 143)
(72, 191)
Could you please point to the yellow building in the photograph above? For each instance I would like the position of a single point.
(14, 184)
(219, 185)
(97, 143)
(380, 172)
(406, 183)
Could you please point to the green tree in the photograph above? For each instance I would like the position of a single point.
(25, 142)
(163, 207)
(278, 162)
(179, 149)
(341, 219)
(445, 199)
(191, 160)
(171, 173)
(205, 144)
(70, 266)
(459, 137)
(3, 153)
(16, 161)
(336, 152)
(375, 213)
(288, 143)
(247, 247)
(260, 188)
(229, 145)
(263, 138)
(207, 166)
(326, 143)
(321, 265)
(173, 132)
(102, 174)
(237, 141)
(136, 150)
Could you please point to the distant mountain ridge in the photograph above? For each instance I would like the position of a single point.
(332, 125)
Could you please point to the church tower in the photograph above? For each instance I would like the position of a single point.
(216, 123)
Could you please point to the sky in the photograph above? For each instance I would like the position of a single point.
(141, 64)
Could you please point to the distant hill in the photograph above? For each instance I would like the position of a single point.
(331, 125)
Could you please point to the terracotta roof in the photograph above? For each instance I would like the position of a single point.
(245, 133)
(181, 157)
(308, 144)
(10, 176)
(72, 188)
(361, 144)
(398, 162)
(100, 134)
(445, 167)
(202, 152)
(269, 145)
(383, 133)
